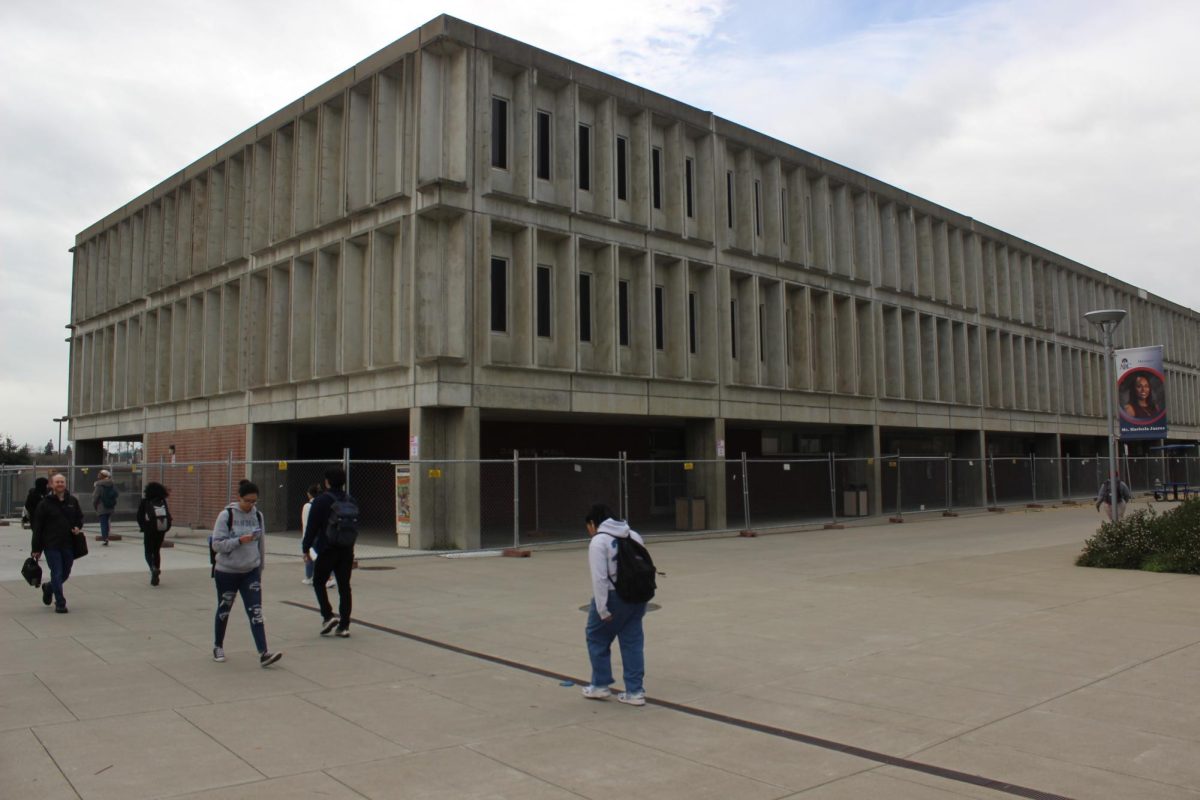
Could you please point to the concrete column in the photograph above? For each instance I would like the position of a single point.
(983, 473)
(707, 480)
(445, 507)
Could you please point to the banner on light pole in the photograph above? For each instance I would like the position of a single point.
(1141, 393)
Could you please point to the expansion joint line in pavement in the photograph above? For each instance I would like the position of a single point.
(758, 727)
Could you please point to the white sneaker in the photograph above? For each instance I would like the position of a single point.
(632, 698)
(306, 581)
(596, 692)
(328, 625)
(329, 584)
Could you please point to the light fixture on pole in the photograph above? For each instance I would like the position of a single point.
(1108, 319)
(60, 421)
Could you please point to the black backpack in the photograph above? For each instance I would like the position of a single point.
(636, 580)
(342, 528)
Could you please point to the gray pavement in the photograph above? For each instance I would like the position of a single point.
(882, 661)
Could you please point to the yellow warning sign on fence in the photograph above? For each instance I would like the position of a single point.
(191, 468)
(688, 466)
(282, 466)
(435, 473)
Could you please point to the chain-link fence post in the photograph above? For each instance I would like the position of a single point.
(833, 490)
(949, 484)
(1033, 476)
(624, 479)
(992, 478)
(1068, 460)
(229, 478)
(746, 491)
(346, 467)
(516, 499)
(899, 504)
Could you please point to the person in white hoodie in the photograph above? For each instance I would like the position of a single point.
(239, 549)
(610, 617)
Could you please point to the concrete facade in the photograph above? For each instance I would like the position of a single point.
(463, 228)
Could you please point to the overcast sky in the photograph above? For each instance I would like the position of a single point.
(1073, 125)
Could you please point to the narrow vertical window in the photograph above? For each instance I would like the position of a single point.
(543, 300)
(585, 157)
(762, 350)
(692, 322)
(656, 176)
(733, 328)
(783, 214)
(499, 133)
(658, 318)
(622, 168)
(689, 168)
(729, 198)
(499, 295)
(758, 208)
(543, 145)
(585, 307)
(787, 335)
(623, 313)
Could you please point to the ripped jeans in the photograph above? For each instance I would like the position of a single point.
(249, 584)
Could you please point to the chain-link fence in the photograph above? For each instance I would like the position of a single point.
(518, 501)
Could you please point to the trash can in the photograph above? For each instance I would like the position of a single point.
(854, 500)
(689, 513)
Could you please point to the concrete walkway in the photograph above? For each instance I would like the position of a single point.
(935, 659)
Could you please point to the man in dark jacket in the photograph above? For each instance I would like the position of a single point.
(55, 521)
(335, 559)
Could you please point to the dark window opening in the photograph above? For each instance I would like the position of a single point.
(757, 208)
(729, 197)
(499, 295)
(585, 157)
(688, 168)
(762, 350)
(733, 328)
(623, 313)
(656, 176)
(543, 145)
(543, 301)
(622, 168)
(692, 322)
(658, 318)
(499, 133)
(585, 307)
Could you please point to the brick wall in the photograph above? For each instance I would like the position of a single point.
(199, 479)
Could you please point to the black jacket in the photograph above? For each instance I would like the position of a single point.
(147, 520)
(32, 499)
(53, 521)
(318, 519)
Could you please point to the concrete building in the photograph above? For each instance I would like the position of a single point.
(475, 246)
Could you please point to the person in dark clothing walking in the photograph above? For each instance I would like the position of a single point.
(154, 520)
(104, 500)
(331, 558)
(56, 520)
(40, 487)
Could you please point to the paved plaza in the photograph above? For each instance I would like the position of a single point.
(940, 658)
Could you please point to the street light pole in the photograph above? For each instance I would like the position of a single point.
(1108, 320)
(60, 421)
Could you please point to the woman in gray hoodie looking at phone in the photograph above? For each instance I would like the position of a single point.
(238, 548)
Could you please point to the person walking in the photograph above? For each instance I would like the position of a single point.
(104, 500)
(311, 554)
(332, 558)
(56, 520)
(154, 519)
(239, 545)
(609, 616)
(35, 495)
(1104, 498)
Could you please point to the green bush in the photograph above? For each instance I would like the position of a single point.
(1168, 542)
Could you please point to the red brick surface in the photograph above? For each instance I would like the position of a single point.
(199, 478)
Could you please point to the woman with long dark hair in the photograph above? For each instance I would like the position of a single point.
(154, 520)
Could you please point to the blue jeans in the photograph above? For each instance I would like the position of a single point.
(249, 585)
(104, 517)
(625, 625)
(60, 563)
